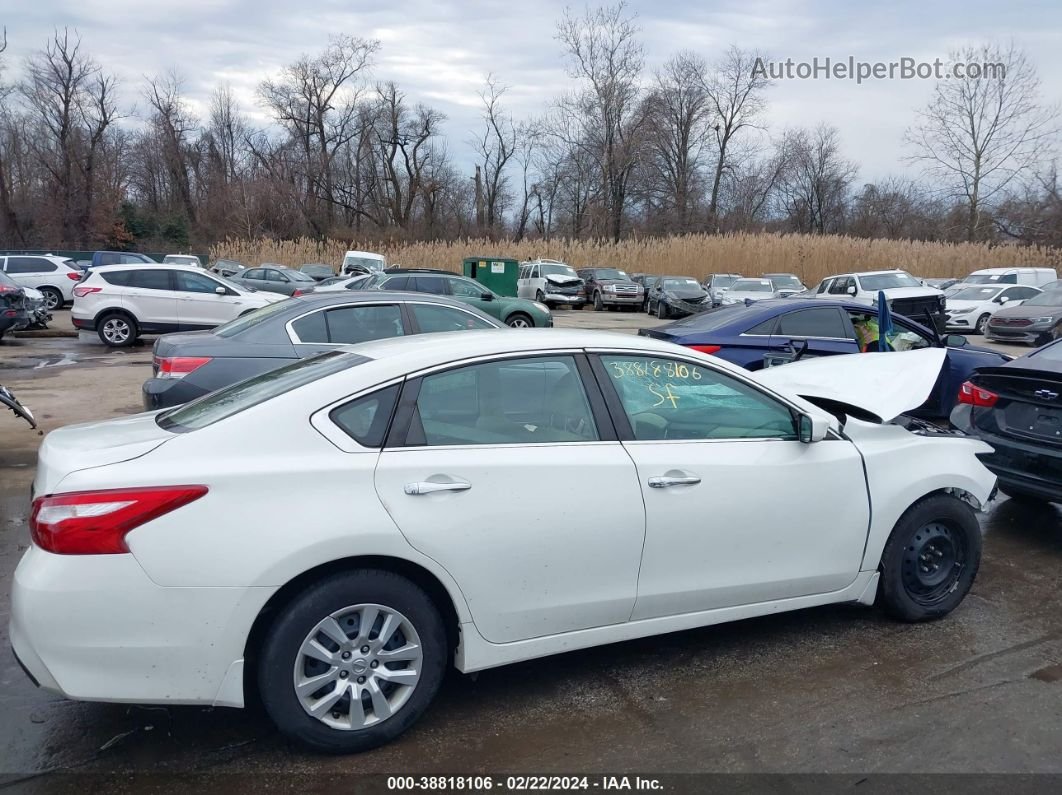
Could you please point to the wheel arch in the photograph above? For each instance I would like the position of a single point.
(432, 585)
(112, 310)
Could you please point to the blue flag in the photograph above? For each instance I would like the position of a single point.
(885, 329)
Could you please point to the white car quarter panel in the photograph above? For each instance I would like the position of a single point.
(102, 630)
(769, 519)
(546, 540)
(903, 467)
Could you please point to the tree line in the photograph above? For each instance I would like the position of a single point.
(624, 152)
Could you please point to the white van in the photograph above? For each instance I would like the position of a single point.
(1031, 277)
(356, 263)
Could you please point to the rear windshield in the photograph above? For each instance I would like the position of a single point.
(231, 400)
(712, 319)
(252, 319)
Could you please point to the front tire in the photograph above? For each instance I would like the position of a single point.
(519, 320)
(598, 303)
(116, 330)
(353, 661)
(982, 323)
(930, 560)
(661, 310)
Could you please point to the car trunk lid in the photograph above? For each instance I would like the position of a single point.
(1028, 404)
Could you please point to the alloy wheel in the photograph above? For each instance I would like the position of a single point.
(52, 299)
(518, 322)
(358, 666)
(116, 330)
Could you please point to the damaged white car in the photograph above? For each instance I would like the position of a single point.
(421, 538)
(551, 283)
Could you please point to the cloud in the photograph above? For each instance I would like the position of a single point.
(440, 51)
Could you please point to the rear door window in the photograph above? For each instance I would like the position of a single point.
(30, 265)
(365, 419)
(436, 285)
(151, 279)
(350, 325)
(825, 322)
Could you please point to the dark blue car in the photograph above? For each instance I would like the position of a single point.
(773, 331)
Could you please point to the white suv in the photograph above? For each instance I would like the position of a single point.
(550, 282)
(121, 302)
(53, 277)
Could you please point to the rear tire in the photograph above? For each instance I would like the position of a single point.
(353, 722)
(930, 560)
(53, 299)
(117, 330)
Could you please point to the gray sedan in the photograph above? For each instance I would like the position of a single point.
(191, 364)
(276, 279)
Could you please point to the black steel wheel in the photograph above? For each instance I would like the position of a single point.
(931, 559)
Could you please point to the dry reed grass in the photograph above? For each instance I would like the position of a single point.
(809, 256)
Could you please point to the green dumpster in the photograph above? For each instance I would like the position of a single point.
(496, 273)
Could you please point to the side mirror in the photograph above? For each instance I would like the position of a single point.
(220, 290)
(851, 290)
(487, 296)
(955, 341)
(812, 428)
(1002, 299)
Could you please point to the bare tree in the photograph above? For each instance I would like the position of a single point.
(316, 101)
(678, 134)
(605, 55)
(495, 146)
(978, 133)
(736, 96)
(816, 180)
(174, 123)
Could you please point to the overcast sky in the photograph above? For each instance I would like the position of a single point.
(439, 52)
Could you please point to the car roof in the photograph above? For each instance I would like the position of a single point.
(425, 350)
(440, 271)
(864, 273)
(173, 266)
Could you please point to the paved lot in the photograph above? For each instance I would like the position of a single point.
(838, 689)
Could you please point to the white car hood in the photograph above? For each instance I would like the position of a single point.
(883, 384)
(554, 278)
(907, 292)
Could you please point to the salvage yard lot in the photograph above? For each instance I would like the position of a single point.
(841, 689)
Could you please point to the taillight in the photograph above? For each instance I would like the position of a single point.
(297, 293)
(74, 277)
(706, 348)
(180, 366)
(97, 522)
(974, 395)
(81, 292)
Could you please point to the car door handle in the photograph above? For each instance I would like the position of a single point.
(430, 487)
(664, 481)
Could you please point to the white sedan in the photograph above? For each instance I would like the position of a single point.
(441, 519)
(748, 289)
(971, 307)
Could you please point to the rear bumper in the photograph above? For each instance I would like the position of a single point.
(1027, 467)
(95, 628)
(164, 393)
(83, 324)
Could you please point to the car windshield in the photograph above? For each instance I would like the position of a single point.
(558, 270)
(752, 286)
(786, 282)
(610, 273)
(251, 319)
(681, 284)
(724, 281)
(369, 263)
(976, 294)
(887, 281)
(983, 278)
(1050, 298)
(241, 396)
